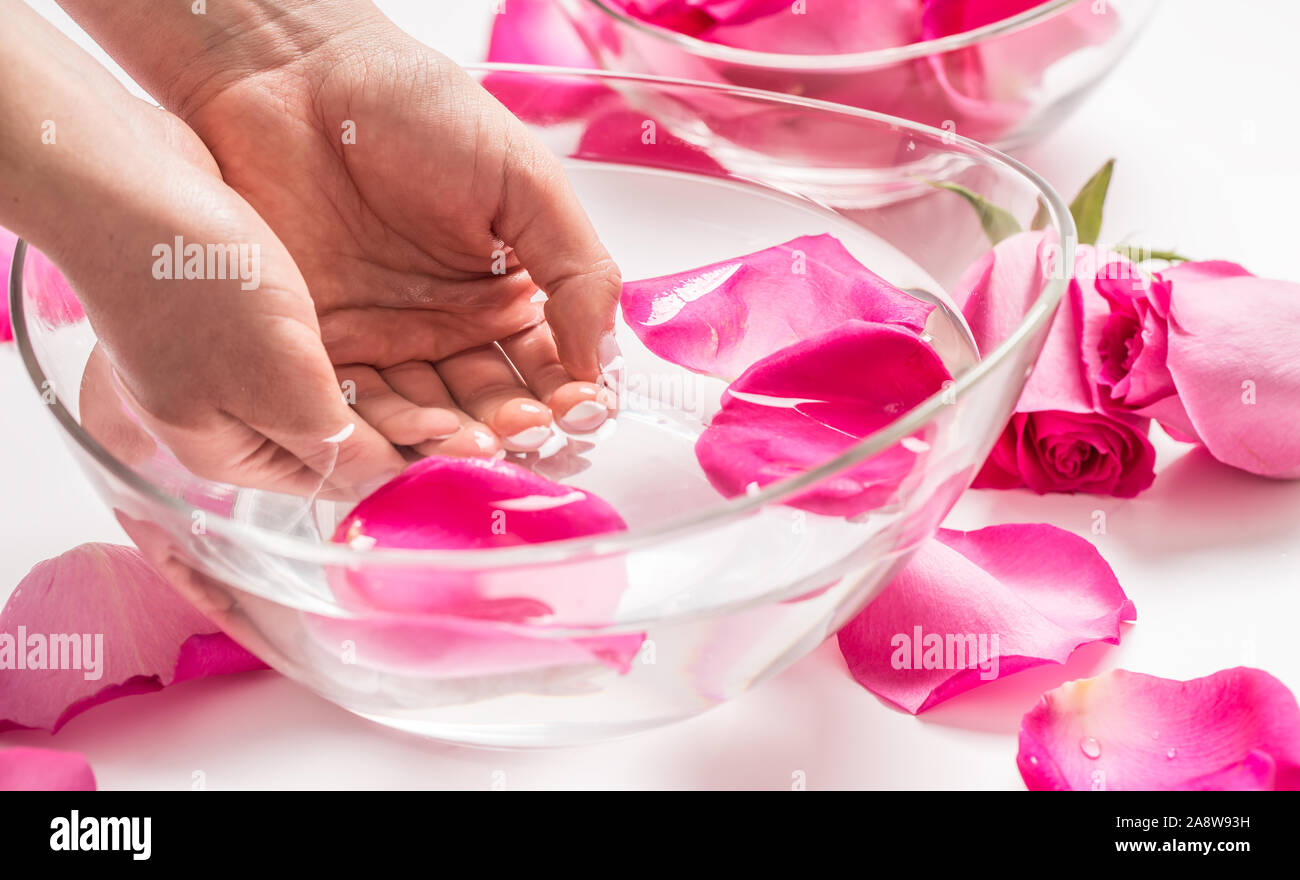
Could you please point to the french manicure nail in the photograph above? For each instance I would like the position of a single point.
(585, 416)
(557, 442)
(529, 439)
(485, 441)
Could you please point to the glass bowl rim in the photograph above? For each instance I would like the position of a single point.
(611, 543)
(842, 62)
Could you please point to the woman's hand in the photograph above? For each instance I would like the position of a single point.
(422, 214)
(234, 380)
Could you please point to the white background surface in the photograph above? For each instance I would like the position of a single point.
(1202, 117)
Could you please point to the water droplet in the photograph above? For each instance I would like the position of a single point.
(1090, 747)
(1033, 759)
(1171, 754)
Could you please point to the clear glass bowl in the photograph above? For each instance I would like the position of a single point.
(1008, 83)
(702, 597)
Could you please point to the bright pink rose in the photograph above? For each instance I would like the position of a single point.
(1197, 347)
(1059, 439)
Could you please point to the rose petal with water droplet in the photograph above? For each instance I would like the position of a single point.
(1236, 729)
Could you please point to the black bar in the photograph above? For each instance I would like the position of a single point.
(332, 828)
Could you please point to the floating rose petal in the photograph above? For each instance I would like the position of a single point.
(1058, 440)
(987, 86)
(449, 503)
(825, 27)
(618, 136)
(807, 403)
(697, 16)
(983, 90)
(105, 610)
(445, 647)
(537, 32)
(942, 18)
(720, 319)
(972, 607)
(27, 769)
(1235, 729)
(453, 623)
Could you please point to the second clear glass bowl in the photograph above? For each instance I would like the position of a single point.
(1007, 83)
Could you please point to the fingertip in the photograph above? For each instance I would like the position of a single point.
(582, 406)
(473, 440)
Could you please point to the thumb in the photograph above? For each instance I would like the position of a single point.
(542, 220)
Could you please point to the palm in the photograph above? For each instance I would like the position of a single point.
(390, 189)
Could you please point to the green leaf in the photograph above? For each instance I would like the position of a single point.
(1087, 205)
(1040, 217)
(1141, 255)
(996, 222)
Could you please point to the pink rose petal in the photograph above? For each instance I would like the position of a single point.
(720, 319)
(989, 86)
(942, 18)
(1237, 371)
(537, 32)
(43, 285)
(28, 769)
(459, 623)
(7, 243)
(697, 16)
(1059, 439)
(994, 601)
(617, 135)
(446, 647)
(1237, 729)
(807, 403)
(472, 503)
(823, 27)
(151, 637)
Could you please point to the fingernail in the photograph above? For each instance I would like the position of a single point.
(609, 354)
(529, 439)
(449, 435)
(585, 416)
(486, 442)
(557, 442)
